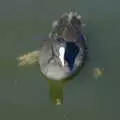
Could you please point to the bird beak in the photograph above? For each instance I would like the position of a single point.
(61, 54)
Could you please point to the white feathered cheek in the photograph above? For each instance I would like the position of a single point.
(61, 55)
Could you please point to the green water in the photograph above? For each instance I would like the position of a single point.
(26, 95)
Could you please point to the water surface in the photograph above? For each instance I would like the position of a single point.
(24, 93)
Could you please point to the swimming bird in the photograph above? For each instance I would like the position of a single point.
(64, 52)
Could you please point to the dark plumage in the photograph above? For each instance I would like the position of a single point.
(66, 33)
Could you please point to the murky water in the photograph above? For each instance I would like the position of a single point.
(25, 94)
